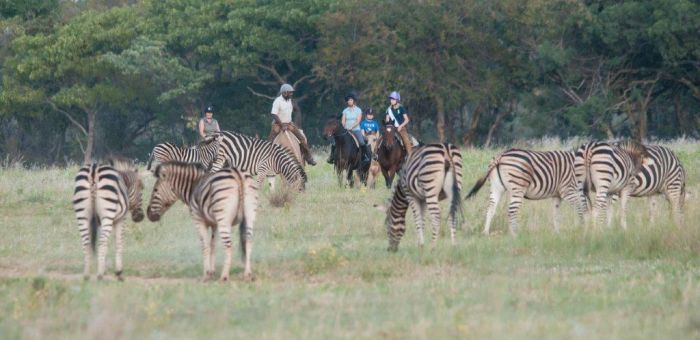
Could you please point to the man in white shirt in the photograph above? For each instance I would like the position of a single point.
(282, 117)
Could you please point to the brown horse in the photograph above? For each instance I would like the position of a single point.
(290, 142)
(390, 154)
(348, 156)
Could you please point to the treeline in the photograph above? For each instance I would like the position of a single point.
(84, 78)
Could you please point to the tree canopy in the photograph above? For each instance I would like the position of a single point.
(81, 79)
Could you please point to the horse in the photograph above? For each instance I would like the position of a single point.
(373, 142)
(390, 154)
(348, 156)
(290, 142)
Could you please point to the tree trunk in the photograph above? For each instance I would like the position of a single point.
(90, 147)
(473, 125)
(440, 118)
(298, 116)
(494, 126)
(681, 115)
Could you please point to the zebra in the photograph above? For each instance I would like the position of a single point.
(259, 158)
(533, 175)
(608, 169)
(205, 152)
(103, 195)
(432, 173)
(216, 201)
(665, 176)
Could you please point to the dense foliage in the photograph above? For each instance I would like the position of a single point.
(84, 78)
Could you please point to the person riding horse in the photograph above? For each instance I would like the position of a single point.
(282, 119)
(398, 114)
(350, 120)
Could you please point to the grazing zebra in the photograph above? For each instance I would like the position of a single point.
(204, 153)
(103, 195)
(216, 200)
(664, 176)
(259, 158)
(432, 173)
(608, 169)
(533, 175)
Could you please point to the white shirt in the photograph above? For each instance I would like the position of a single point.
(283, 109)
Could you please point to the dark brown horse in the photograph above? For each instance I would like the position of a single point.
(348, 156)
(390, 153)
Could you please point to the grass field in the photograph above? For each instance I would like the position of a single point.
(322, 270)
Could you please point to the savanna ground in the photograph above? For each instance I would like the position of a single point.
(322, 270)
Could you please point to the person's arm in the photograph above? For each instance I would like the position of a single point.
(359, 119)
(218, 129)
(342, 120)
(201, 128)
(275, 109)
(405, 122)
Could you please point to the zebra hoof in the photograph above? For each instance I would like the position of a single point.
(86, 277)
(248, 277)
(392, 249)
(224, 279)
(119, 276)
(99, 277)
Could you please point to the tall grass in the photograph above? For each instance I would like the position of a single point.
(322, 270)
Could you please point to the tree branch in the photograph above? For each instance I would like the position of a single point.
(70, 118)
(260, 94)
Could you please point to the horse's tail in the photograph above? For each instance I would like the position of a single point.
(479, 183)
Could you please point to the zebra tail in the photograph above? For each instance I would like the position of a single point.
(242, 237)
(94, 228)
(483, 178)
(456, 204)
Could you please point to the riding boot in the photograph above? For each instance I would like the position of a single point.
(331, 157)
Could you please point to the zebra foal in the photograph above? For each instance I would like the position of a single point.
(608, 169)
(204, 153)
(216, 201)
(533, 175)
(432, 173)
(103, 195)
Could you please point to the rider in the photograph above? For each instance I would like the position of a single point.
(368, 125)
(208, 125)
(282, 118)
(352, 116)
(397, 113)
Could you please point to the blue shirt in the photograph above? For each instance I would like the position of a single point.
(351, 116)
(369, 126)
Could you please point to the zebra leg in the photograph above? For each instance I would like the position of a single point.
(84, 225)
(102, 246)
(224, 227)
(556, 215)
(418, 208)
(119, 249)
(514, 204)
(434, 212)
(250, 206)
(494, 196)
(676, 203)
(212, 249)
(652, 209)
(600, 207)
(203, 238)
(624, 197)
(610, 210)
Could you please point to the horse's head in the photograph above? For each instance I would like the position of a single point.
(331, 126)
(389, 133)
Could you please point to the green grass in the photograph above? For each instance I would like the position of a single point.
(322, 270)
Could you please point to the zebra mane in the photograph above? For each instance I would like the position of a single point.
(633, 148)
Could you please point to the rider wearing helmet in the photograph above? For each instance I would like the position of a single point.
(368, 125)
(397, 114)
(208, 125)
(282, 118)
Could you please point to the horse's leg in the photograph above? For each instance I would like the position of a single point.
(350, 178)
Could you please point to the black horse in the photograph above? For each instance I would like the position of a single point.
(348, 156)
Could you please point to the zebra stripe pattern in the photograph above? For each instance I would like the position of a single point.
(533, 175)
(216, 201)
(259, 158)
(103, 195)
(608, 169)
(432, 173)
(665, 175)
(203, 153)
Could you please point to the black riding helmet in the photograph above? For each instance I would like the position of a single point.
(350, 96)
(209, 109)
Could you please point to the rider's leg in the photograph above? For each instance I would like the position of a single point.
(363, 145)
(406, 141)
